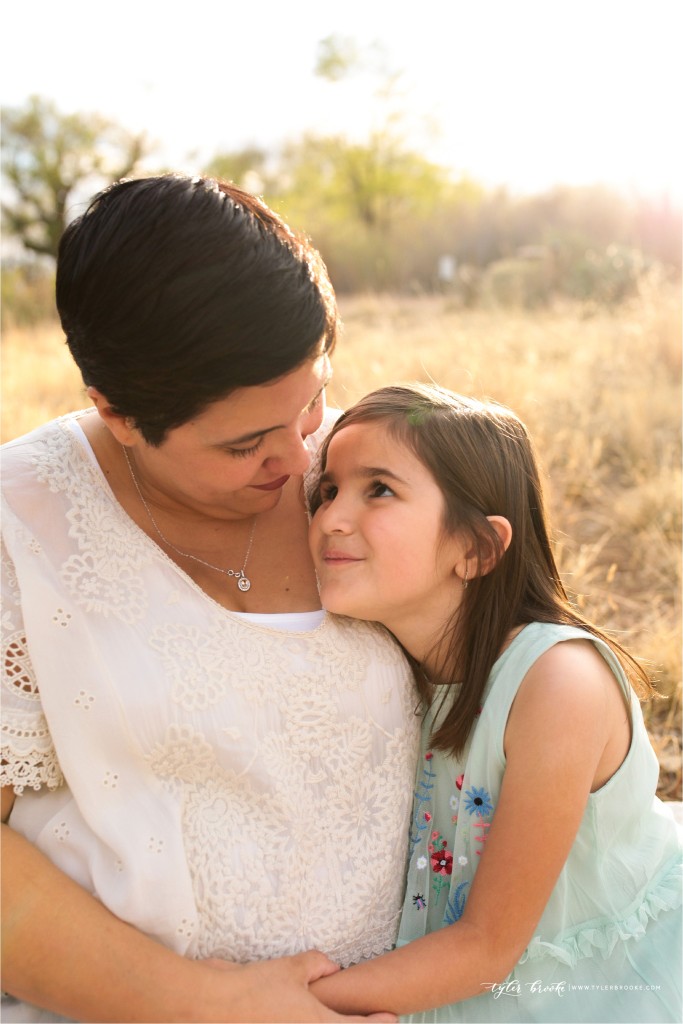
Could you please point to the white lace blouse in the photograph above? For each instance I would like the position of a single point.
(232, 789)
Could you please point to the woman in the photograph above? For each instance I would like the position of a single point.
(188, 738)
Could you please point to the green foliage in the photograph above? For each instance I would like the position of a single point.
(383, 216)
(522, 283)
(337, 57)
(49, 158)
(248, 168)
(607, 276)
(373, 183)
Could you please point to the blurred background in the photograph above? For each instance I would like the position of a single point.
(496, 188)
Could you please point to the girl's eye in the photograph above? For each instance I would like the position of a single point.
(328, 492)
(380, 490)
(243, 452)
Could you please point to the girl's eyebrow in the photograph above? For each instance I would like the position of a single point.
(366, 472)
(369, 471)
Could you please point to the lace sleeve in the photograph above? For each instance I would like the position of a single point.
(27, 757)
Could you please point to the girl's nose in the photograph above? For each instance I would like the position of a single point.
(333, 517)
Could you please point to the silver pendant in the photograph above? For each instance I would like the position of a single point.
(243, 583)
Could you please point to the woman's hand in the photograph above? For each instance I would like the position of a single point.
(63, 950)
(278, 990)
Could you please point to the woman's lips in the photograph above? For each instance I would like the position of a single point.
(273, 486)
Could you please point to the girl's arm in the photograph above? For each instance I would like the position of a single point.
(63, 950)
(567, 732)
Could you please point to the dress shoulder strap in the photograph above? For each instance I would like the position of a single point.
(527, 647)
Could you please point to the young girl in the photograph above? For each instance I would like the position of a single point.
(544, 876)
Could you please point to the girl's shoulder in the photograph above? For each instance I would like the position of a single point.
(560, 652)
(572, 683)
(573, 664)
(558, 667)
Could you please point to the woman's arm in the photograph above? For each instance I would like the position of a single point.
(63, 950)
(567, 732)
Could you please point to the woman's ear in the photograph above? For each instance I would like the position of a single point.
(121, 427)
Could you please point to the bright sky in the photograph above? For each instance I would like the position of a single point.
(522, 93)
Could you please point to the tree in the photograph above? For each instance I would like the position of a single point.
(249, 168)
(372, 183)
(49, 158)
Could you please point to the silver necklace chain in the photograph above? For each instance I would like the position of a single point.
(243, 582)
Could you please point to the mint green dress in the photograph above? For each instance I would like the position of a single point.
(608, 946)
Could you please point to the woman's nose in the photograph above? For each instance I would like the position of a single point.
(294, 458)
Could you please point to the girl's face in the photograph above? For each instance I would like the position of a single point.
(378, 541)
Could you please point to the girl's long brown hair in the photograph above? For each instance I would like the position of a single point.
(483, 460)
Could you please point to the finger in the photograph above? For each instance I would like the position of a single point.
(391, 1018)
(222, 965)
(316, 965)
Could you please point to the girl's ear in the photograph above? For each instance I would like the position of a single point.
(490, 557)
(120, 426)
(503, 528)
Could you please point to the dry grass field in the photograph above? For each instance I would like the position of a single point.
(600, 391)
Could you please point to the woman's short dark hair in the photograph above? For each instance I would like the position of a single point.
(174, 291)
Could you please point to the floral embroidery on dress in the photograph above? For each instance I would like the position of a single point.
(478, 802)
(117, 593)
(423, 795)
(442, 862)
(452, 849)
(298, 799)
(456, 903)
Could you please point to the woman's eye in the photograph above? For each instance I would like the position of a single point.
(316, 401)
(243, 452)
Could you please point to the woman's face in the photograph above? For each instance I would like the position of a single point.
(378, 541)
(234, 458)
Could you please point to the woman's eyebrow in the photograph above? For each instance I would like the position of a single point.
(253, 434)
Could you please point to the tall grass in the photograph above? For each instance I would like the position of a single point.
(599, 388)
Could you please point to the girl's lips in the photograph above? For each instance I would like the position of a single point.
(338, 558)
(272, 486)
